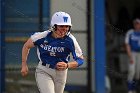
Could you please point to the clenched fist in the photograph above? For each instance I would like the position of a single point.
(24, 70)
(61, 66)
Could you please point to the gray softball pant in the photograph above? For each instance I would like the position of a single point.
(134, 69)
(50, 80)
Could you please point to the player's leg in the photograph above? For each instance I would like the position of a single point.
(138, 66)
(131, 73)
(60, 81)
(137, 75)
(44, 81)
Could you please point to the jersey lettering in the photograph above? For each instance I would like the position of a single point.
(52, 49)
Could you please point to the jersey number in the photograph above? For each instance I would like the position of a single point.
(52, 54)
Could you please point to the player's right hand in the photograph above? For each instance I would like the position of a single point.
(24, 70)
(131, 61)
(61, 66)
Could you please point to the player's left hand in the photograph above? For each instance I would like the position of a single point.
(131, 61)
(61, 66)
(24, 70)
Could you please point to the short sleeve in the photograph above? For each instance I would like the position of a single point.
(38, 35)
(77, 52)
(127, 37)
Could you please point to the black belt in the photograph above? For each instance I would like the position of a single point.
(50, 66)
(135, 50)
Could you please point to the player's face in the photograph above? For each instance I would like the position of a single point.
(137, 26)
(62, 30)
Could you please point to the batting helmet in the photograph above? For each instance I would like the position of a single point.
(61, 18)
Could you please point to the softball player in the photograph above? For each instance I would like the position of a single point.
(53, 49)
(132, 41)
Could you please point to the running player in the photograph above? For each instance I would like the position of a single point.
(132, 42)
(53, 49)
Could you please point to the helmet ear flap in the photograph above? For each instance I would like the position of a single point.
(69, 28)
(54, 27)
(69, 31)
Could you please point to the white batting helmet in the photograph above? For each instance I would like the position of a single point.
(61, 18)
(137, 20)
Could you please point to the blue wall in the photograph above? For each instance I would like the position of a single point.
(22, 20)
(2, 47)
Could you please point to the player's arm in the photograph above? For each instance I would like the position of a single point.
(128, 50)
(127, 45)
(77, 54)
(74, 64)
(25, 51)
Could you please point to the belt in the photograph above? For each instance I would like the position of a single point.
(136, 51)
(48, 65)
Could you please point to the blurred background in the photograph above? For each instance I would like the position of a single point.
(20, 19)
